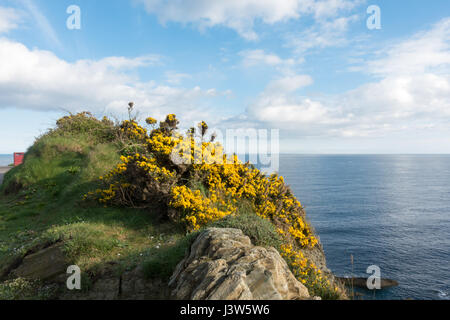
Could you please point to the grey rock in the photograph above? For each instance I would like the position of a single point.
(44, 264)
(224, 265)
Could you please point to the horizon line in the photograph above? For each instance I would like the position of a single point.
(314, 154)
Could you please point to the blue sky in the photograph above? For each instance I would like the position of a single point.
(310, 68)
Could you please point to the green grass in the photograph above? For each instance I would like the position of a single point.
(162, 261)
(92, 236)
(41, 202)
(261, 231)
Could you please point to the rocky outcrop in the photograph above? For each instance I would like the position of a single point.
(44, 264)
(48, 263)
(224, 265)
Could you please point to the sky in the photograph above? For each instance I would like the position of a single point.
(316, 70)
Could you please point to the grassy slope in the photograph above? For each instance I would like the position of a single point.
(56, 173)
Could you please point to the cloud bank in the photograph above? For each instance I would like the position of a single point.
(241, 15)
(412, 92)
(39, 80)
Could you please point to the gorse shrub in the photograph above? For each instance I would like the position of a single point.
(195, 183)
(157, 174)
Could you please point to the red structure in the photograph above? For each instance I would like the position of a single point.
(18, 158)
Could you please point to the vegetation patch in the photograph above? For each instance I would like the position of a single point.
(260, 231)
(23, 289)
(163, 260)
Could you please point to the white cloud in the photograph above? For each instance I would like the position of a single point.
(414, 89)
(42, 22)
(9, 19)
(327, 33)
(411, 95)
(281, 111)
(331, 8)
(39, 80)
(425, 51)
(176, 78)
(279, 106)
(251, 58)
(241, 15)
(288, 83)
(118, 63)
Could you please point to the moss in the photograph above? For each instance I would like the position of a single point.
(261, 231)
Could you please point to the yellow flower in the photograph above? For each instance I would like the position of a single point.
(151, 121)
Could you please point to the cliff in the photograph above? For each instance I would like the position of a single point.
(125, 203)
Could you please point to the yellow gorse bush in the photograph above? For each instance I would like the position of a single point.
(199, 209)
(133, 130)
(197, 184)
(151, 121)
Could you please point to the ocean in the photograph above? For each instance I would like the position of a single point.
(392, 211)
(6, 159)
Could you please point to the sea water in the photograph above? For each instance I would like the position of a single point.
(6, 159)
(392, 211)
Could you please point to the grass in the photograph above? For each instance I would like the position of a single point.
(262, 232)
(91, 236)
(41, 202)
(163, 260)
